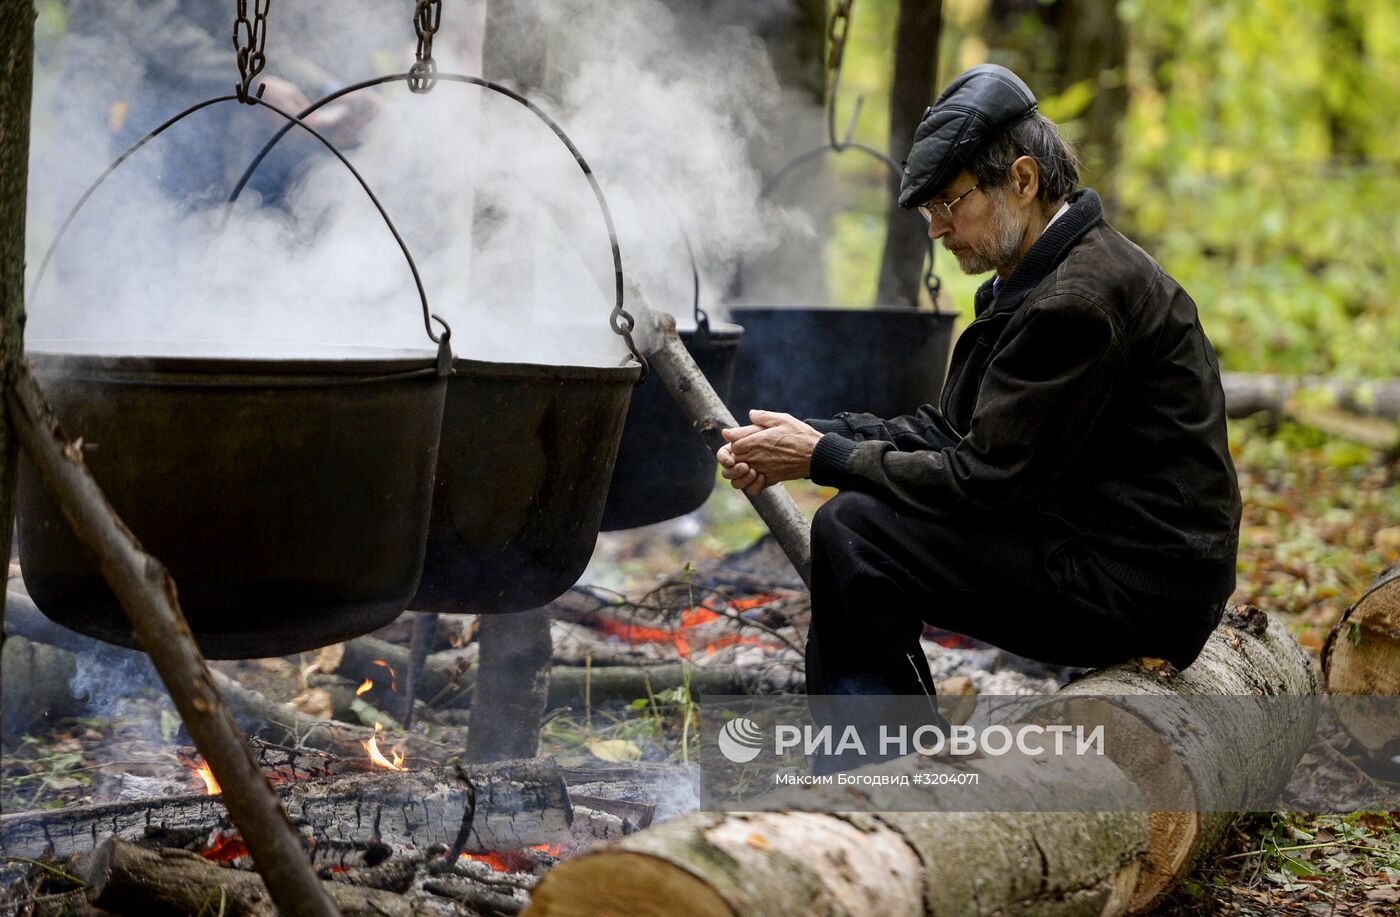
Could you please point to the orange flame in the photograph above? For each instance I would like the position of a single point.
(211, 786)
(364, 687)
(377, 757)
(393, 676)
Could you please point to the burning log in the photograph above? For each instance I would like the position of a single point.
(445, 676)
(507, 805)
(129, 880)
(343, 739)
(1100, 862)
(1362, 656)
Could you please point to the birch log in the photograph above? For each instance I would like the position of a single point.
(763, 863)
(1362, 657)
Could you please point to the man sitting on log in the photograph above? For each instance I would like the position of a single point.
(1072, 497)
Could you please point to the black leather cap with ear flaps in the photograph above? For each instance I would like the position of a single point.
(975, 107)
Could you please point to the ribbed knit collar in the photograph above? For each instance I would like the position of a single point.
(1085, 211)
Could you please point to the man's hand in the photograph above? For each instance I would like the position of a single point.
(774, 447)
(284, 94)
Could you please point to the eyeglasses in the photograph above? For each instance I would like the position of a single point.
(942, 209)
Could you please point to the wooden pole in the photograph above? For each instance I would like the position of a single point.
(16, 85)
(147, 594)
(673, 366)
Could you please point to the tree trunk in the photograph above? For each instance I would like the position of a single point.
(1362, 657)
(16, 87)
(512, 685)
(1091, 49)
(912, 90)
(507, 806)
(1100, 862)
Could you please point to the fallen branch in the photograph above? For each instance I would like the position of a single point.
(147, 594)
(1248, 393)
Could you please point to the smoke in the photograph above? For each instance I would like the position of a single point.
(111, 678)
(507, 236)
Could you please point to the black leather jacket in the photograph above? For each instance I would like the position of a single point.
(1084, 390)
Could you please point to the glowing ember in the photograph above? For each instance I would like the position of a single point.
(377, 757)
(393, 676)
(515, 860)
(211, 786)
(225, 847)
(683, 637)
(364, 687)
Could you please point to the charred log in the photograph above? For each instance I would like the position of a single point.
(508, 805)
(128, 880)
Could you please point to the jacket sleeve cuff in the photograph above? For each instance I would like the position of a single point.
(829, 459)
(837, 425)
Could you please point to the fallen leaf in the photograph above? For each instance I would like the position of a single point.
(615, 751)
(329, 659)
(315, 702)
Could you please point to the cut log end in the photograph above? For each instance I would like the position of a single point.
(623, 882)
(1362, 657)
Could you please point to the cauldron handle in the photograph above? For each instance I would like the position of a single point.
(931, 281)
(621, 321)
(444, 361)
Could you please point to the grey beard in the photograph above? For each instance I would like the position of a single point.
(1003, 244)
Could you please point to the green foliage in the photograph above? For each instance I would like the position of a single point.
(1260, 168)
(1260, 165)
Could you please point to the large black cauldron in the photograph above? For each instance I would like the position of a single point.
(287, 494)
(814, 362)
(664, 469)
(527, 451)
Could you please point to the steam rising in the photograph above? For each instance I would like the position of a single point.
(507, 236)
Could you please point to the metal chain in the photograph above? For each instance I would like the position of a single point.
(427, 18)
(837, 30)
(249, 38)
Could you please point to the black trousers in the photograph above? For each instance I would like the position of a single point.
(880, 573)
